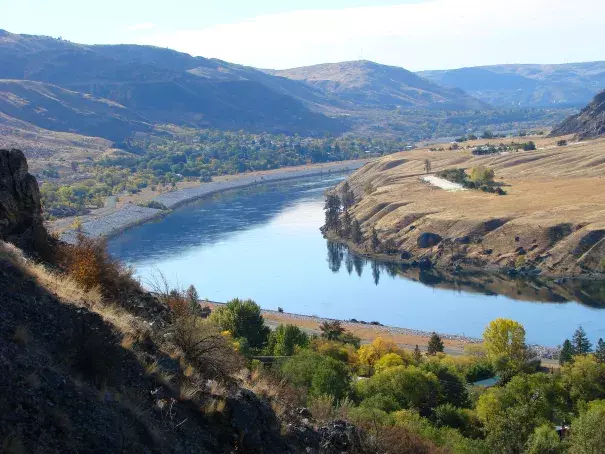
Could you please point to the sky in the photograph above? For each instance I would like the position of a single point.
(279, 34)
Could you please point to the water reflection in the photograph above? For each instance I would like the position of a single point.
(590, 293)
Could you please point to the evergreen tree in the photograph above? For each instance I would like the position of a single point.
(580, 342)
(356, 234)
(332, 209)
(435, 344)
(375, 240)
(600, 351)
(427, 165)
(566, 354)
(192, 298)
(346, 224)
(417, 355)
(347, 196)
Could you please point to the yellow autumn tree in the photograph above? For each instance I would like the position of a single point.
(505, 338)
(370, 353)
(387, 361)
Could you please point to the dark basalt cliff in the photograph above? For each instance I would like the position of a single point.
(588, 124)
(20, 209)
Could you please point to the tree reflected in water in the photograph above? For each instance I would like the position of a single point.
(535, 289)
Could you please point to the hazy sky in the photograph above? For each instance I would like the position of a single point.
(415, 34)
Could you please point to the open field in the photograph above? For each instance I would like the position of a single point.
(551, 220)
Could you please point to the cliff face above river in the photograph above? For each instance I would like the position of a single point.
(20, 209)
(551, 221)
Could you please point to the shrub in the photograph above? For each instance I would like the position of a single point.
(154, 204)
(204, 347)
(91, 266)
(561, 143)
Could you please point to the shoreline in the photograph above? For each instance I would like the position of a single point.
(110, 223)
(416, 262)
(404, 337)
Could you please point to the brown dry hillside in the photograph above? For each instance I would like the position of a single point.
(552, 219)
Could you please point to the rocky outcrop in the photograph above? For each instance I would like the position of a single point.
(588, 124)
(20, 209)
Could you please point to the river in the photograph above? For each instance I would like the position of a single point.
(264, 243)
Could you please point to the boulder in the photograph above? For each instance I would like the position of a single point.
(427, 240)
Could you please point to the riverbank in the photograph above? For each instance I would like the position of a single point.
(108, 222)
(454, 344)
(550, 222)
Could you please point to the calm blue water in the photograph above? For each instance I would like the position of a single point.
(264, 243)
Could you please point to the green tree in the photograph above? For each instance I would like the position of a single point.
(580, 342)
(410, 387)
(387, 361)
(505, 338)
(243, 319)
(600, 351)
(332, 330)
(192, 298)
(529, 146)
(417, 355)
(588, 430)
(435, 344)
(346, 225)
(566, 353)
(356, 234)
(332, 212)
(375, 241)
(321, 375)
(347, 196)
(544, 440)
(452, 384)
(584, 379)
(510, 414)
(285, 339)
(427, 165)
(482, 175)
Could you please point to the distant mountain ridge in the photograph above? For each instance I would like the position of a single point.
(588, 124)
(116, 91)
(367, 83)
(526, 85)
(163, 85)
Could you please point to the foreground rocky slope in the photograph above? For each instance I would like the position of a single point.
(552, 220)
(588, 124)
(97, 368)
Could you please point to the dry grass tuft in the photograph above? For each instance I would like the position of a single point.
(190, 391)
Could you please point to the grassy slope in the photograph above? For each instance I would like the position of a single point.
(554, 209)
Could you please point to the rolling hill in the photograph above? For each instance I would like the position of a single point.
(369, 84)
(571, 84)
(163, 85)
